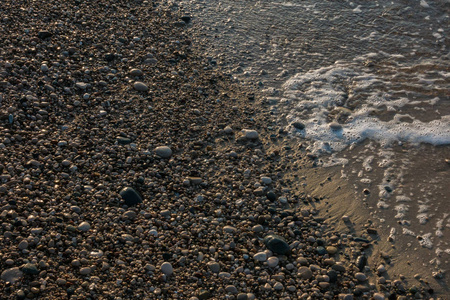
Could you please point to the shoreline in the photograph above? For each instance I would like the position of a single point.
(83, 128)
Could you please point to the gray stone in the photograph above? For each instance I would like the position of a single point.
(273, 261)
(12, 275)
(360, 277)
(214, 266)
(136, 72)
(85, 271)
(81, 85)
(30, 269)
(140, 86)
(167, 268)
(260, 256)
(23, 245)
(250, 134)
(84, 226)
(231, 289)
(163, 151)
(305, 273)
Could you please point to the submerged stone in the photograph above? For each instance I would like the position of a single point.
(130, 196)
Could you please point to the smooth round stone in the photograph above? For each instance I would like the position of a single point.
(81, 85)
(228, 130)
(229, 229)
(360, 277)
(23, 245)
(258, 228)
(84, 226)
(130, 196)
(136, 72)
(214, 266)
(321, 250)
(305, 273)
(324, 285)
(163, 151)
(335, 126)
(11, 275)
(242, 296)
(140, 86)
(378, 296)
(231, 289)
(381, 269)
(266, 180)
(30, 269)
(332, 250)
(260, 256)
(250, 134)
(298, 125)
(273, 261)
(276, 244)
(44, 68)
(167, 268)
(85, 271)
(278, 286)
(303, 261)
(338, 267)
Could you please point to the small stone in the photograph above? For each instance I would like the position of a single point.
(335, 126)
(167, 268)
(273, 261)
(44, 68)
(250, 134)
(163, 151)
(242, 296)
(271, 196)
(194, 180)
(266, 180)
(278, 286)
(84, 226)
(136, 72)
(124, 140)
(214, 266)
(332, 250)
(276, 244)
(381, 269)
(129, 214)
(324, 285)
(61, 281)
(345, 297)
(360, 277)
(204, 294)
(11, 275)
(85, 271)
(298, 125)
(305, 273)
(110, 57)
(338, 267)
(30, 269)
(258, 228)
(228, 130)
(231, 289)
(44, 35)
(140, 86)
(345, 219)
(303, 261)
(81, 85)
(23, 245)
(260, 256)
(378, 296)
(229, 229)
(130, 196)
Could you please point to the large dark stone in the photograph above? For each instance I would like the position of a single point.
(44, 34)
(110, 56)
(276, 244)
(130, 196)
(30, 269)
(271, 196)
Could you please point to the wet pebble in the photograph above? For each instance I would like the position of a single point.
(163, 151)
(140, 86)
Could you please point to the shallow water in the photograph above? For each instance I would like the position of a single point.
(365, 85)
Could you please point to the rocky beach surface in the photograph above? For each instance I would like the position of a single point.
(132, 167)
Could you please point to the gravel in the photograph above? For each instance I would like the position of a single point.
(127, 154)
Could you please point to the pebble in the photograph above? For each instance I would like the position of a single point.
(276, 244)
(85, 271)
(231, 289)
(140, 86)
(266, 180)
(250, 134)
(12, 275)
(229, 229)
(360, 277)
(378, 296)
(84, 226)
(23, 245)
(44, 68)
(81, 85)
(332, 250)
(163, 151)
(136, 72)
(305, 273)
(130, 196)
(30, 269)
(167, 268)
(381, 269)
(272, 261)
(260, 256)
(228, 130)
(214, 266)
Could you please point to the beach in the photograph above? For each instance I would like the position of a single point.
(142, 159)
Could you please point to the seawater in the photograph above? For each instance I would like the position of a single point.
(365, 85)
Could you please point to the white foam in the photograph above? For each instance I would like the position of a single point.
(352, 96)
